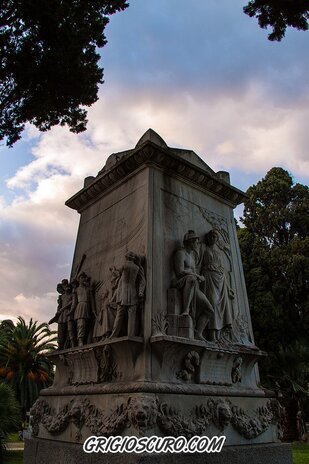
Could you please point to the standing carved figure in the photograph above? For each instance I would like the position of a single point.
(64, 303)
(130, 291)
(71, 313)
(216, 286)
(83, 310)
(109, 307)
(194, 301)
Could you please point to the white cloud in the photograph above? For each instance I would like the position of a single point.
(237, 100)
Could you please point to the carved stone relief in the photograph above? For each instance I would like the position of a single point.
(139, 411)
(75, 312)
(241, 331)
(213, 262)
(129, 296)
(107, 366)
(194, 302)
(63, 315)
(90, 311)
(80, 412)
(204, 288)
(216, 286)
(191, 367)
(144, 412)
(236, 370)
(159, 324)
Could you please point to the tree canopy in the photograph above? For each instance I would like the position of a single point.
(279, 14)
(49, 62)
(23, 364)
(274, 246)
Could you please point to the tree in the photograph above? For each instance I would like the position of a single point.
(274, 246)
(279, 14)
(10, 416)
(275, 250)
(49, 63)
(23, 364)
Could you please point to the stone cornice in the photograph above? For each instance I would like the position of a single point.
(151, 154)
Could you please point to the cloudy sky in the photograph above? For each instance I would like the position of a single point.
(200, 73)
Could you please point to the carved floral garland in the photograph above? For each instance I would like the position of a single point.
(134, 413)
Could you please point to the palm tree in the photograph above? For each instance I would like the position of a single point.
(23, 361)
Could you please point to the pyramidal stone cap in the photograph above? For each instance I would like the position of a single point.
(153, 151)
(151, 136)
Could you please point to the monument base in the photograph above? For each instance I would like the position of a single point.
(38, 451)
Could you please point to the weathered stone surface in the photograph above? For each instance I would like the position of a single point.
(155, 334)
(73, 454)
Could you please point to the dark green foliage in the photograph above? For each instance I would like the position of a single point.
(10, 414)
(23, 364)
(279, 14)
(49, 62)
(275, 250)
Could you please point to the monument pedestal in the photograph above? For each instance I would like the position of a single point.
(157, 307)
(38, 451)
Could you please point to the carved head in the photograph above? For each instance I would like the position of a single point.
(60, 289)
(74, 283)
(142, 411)
(191, 240)
(83, 279)
(67, 287)
(211, 237)
(76, 410)
(224, 414)
(130, 256)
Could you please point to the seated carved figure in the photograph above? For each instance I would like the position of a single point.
(194, 301)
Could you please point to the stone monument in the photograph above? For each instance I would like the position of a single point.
(155, 334)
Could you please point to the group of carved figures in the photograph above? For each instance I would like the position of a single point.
(200, 277)
(202, 280)
(80, 321)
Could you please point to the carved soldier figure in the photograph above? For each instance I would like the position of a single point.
(64, 303)
(130, 290)
(70, 315)
(83, 310)
(188, 280)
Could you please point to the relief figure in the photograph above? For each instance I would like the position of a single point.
(83, 311)
(216, 286)
(69, 316)
(128, 295)
(109, 305)
(188, 281)
(64, 304)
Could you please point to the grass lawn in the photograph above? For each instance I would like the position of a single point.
(300, 453)
(13, 438)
